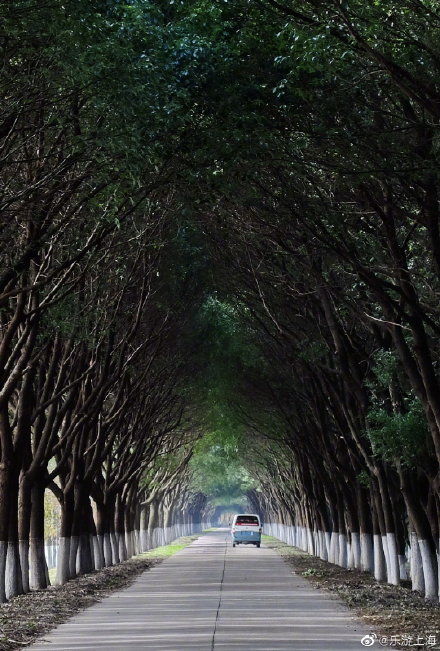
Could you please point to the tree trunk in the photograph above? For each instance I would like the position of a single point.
(152, 522)
(13, 581)
(24, 523)
(143, 528)
(97, 543)
(38, 565)
(81, 532)
(378, 551)
(63, 561)
(120, 529)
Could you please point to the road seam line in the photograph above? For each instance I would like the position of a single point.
(220, 597)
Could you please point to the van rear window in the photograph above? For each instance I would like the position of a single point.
(247, 519)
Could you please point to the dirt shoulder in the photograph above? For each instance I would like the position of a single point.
(27, 617)
(388, 610)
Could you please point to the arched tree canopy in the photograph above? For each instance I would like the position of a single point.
(219, 277)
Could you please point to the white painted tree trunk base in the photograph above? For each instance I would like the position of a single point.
(380, 573)
(416, 568)
(393, 560)
(367, 552)
(115, 550)
(356, 549)
(23, 546)
(429, 570)
(63, 561)
(37, 562)
(343, 556)
(98, 552)
(107, 549)
(13, 585)
(403, 572)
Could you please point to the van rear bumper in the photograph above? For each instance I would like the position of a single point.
(246, 537)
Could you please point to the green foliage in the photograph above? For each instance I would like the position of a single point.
(385, 368)
(364, 479)
(222, 351)
(313, 352)
(219, 470)
(230, 341)
(225, 353)
(399, 436)
(296, 137)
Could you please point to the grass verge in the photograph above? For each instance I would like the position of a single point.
(27, 617)
(159, 553)
(388, 610)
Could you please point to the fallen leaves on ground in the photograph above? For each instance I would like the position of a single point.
(27, 617)
(387, 609)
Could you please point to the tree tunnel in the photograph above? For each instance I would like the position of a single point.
(219, 281)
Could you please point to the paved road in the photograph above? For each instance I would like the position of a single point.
(211, 596)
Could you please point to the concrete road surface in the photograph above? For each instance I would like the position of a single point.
(211, 596)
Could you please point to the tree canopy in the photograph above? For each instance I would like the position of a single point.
(219, 276)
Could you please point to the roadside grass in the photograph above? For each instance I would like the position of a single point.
(387, 609)
(282, 548)
(27, 617)
(168, 550)
(155, 554)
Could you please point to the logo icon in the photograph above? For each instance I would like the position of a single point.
(369, 640)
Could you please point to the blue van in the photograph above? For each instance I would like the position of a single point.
(246, 529)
